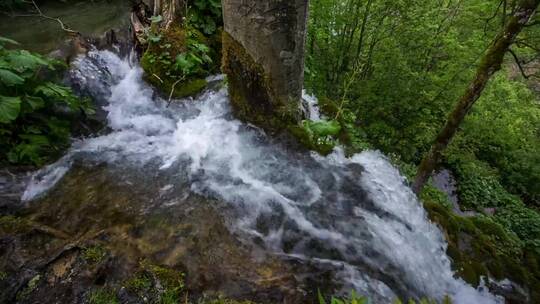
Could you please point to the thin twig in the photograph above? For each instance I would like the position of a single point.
(519, 64)
(172, 90)
(157, 77)
(346, 91)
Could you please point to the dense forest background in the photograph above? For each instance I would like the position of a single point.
(391, 72)
(394, 69)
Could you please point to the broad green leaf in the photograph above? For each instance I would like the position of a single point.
(9, 78)
(10, 108)
(53, 90)
(24, 60)
(323, 128)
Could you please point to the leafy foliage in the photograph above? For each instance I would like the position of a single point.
(195, 58)
(392, 71)
(33, 123)
(205, 15)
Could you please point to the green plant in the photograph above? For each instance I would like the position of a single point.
(356, 299)
(34, 127)
(94, 254)
(353, 299)
(140, 282)
(195, 58)
(205, 15)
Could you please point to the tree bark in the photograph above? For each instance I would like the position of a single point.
(491, 63)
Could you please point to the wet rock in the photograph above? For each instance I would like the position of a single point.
(12, 185)
(99, 224)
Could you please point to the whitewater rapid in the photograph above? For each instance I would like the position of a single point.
(355, 215)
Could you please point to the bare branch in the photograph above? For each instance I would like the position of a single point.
(519, 64)
(488, 20)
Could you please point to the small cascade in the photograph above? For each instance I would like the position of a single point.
(353, 215)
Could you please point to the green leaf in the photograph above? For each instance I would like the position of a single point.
(4, 40)
(154, 38)
(9, 78)
(34, 102)
(323, 128)
(184, 64)
(24, 60)
(156, 19)
(320, 297)
(10, 108)
(53, 90)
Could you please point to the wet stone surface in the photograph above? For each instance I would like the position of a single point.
(44, 255)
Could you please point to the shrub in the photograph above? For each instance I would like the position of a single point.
(34, 108)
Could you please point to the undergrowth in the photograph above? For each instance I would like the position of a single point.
(36, 110)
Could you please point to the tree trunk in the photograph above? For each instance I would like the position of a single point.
(491, 63)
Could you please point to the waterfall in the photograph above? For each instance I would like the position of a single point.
(354, 215)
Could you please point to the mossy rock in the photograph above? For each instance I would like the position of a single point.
(158, 59)
(303, 136)
(479, 247)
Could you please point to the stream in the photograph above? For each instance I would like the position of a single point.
(354, 216)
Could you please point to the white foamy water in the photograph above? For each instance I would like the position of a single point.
(311, 103)
(353, 215)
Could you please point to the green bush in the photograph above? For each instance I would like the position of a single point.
(34, 108)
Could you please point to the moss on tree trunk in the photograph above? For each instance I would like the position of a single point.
(491, 63)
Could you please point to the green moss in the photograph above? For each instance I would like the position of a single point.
(30, 287)
(169, 278)
(480, 246)
(103, 296)
(163, 284)
(139, 283)
(307, 140)
(3, 275)
(13, 225)
(250, 89)
(94, 254)
(224, 301)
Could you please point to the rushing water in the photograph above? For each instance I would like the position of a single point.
(353, 215)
